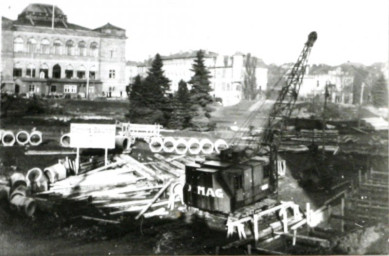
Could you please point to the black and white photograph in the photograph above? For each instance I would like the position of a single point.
(194, 127)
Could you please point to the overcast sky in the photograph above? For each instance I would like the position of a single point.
(274, 30)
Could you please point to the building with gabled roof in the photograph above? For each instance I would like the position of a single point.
(42, 53)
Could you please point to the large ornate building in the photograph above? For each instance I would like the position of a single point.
(42, 53)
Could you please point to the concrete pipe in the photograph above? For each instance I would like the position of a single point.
(121, 142)
(220, 145)
(181, 146)
(65, 140)
(8, 139)
(37, 180)
(194, 147)
(35, 138)
(55, 172)
(19, 190)
(156, 144)
(23, 204)
(17, 179)
(22, 138)
(4, 192)
(169, 144)
(206, 146)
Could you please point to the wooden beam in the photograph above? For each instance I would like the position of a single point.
(154, 199)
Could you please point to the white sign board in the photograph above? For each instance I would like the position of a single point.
(92, 135)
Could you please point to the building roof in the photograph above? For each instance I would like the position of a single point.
(41, 15)
(108, 26)
(46, 9)
(188, 55)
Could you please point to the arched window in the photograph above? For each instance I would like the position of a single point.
(45, 46)
(18, 44)
(17, 69)
(82, 48)
(30, 72)
(57, 71)
(57, 47)
(44, 71)
(69, 47)
(69, 71)
(81, 72)
(92, 72)
(93, 49)
(31, 45)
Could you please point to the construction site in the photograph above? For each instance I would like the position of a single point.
(263, 181)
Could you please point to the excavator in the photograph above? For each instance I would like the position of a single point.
(246, 173)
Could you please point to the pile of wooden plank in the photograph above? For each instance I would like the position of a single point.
(125, 186)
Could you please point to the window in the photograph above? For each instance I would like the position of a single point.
(18, 44)
(69, 71)
(53, 88)
(82, 49)
(92, 75)
(30, 72)
(17, 72)
(57, 71)
(111, 74)
(93, 49)
(70, 88)
(238, 182)
(69, 74)
(70, 47)
(81, 74)
(31, 45)
(45, 46)
(44, 71)
(57, 47)
(31, 88)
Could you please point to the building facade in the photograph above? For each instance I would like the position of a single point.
(339, 86)
(42, 53)
(227, 73)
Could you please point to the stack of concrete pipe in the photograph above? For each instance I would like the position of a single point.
(17, 194)
(19, 187)
(182, 146)
(8, 138)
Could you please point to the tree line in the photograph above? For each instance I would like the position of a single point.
(152, 102)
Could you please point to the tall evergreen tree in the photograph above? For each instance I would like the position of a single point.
(200, 80)
(156, 86)
(200, 99)
(183, 92)
(380, 92)
(156, 77)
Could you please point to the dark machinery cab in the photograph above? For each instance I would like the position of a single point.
(216, 186)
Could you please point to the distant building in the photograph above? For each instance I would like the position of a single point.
(43, 57)
(340, 88)
(227, 73)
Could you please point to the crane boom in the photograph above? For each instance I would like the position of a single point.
(287, 97)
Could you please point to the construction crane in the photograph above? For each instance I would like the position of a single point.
(241, 176)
